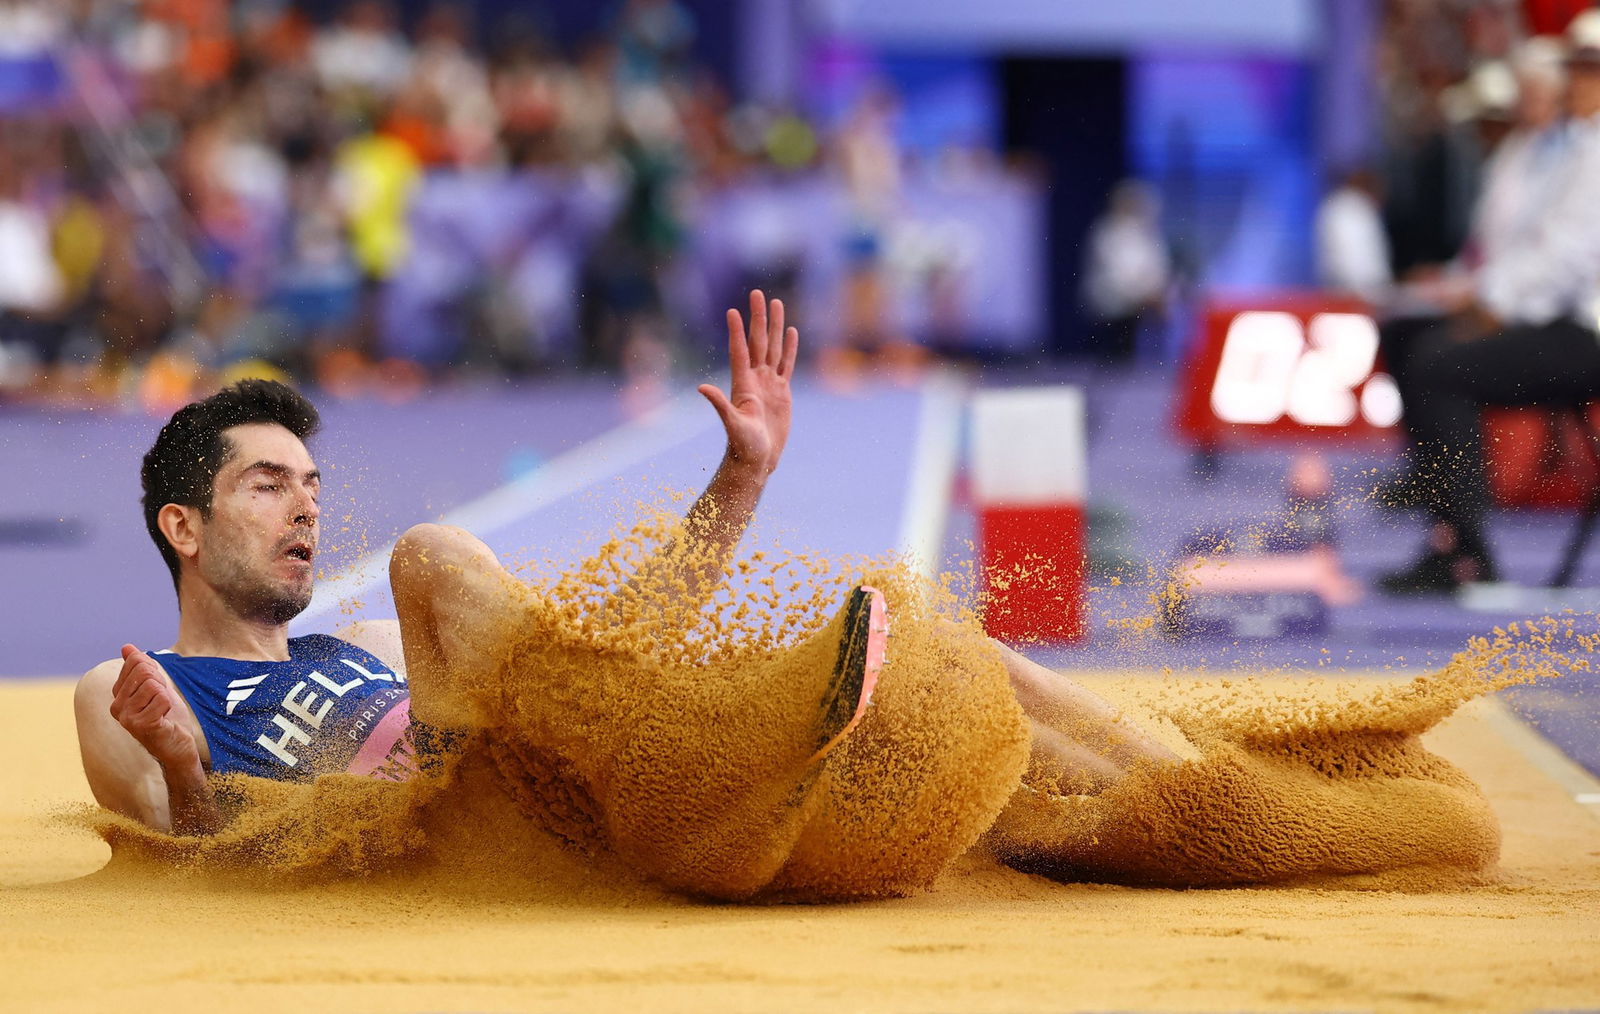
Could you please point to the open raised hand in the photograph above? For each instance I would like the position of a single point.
(756, 410)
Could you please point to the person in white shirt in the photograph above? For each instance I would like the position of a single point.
(1352, 250)
(1127, 270)
(1517, 184)
(31, 286)
(1517, 175)
(1528, 337)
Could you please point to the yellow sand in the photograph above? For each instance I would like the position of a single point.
(542, 928)
(672, 737)
(639, 746)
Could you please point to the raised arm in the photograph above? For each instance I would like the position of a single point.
(139, 754)
(453, 594)
(755, 414)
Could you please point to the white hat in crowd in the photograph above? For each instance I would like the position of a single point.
(1583, 39)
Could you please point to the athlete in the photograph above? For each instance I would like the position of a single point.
(230, 500)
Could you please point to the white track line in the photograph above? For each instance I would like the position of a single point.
(591, 462)
(926, 510)
(1582, 786)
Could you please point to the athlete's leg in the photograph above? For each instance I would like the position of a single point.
(485, 650)
(1065, 765)
(453, 599)
(1080, 742)
(720, 774)
(1078, 717)
(703, 776)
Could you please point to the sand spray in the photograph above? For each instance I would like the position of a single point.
(651, 731)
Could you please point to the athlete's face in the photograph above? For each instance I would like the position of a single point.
(259, 545)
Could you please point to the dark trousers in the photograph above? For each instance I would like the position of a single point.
(1453, 380)
(1399, 340)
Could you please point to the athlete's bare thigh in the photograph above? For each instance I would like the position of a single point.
(454, 599)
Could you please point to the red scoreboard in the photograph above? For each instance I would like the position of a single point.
(1305, 366)
(1298, 365)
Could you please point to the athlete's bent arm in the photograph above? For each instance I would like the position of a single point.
(452, 593)
(141, 758)
(755, 414)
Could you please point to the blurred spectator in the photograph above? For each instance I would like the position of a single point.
(1352, 250)
(1518, 178)
(200, 185)
(1483, 106)
(588, 125)
(653, 39)
(319, 282)
(31, 285)
(1430, 162)
(867, 159)
(364, 53)
(377, 174)
(630, 268)
(453, 83)
(1518, 169)
(1530, 337)
(1127, 269)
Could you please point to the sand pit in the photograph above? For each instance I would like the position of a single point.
(489, 936)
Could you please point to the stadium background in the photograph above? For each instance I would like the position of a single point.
(493, 241)
(488, 235)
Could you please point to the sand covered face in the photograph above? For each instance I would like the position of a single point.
(665, 734)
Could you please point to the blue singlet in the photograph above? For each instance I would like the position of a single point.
(331, 707)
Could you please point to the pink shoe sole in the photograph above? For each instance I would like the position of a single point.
(855, 672)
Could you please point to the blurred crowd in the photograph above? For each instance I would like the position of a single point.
(197, 187)
(1477, 241)
(1462, 87)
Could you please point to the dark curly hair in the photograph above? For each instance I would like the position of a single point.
(191, 449)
